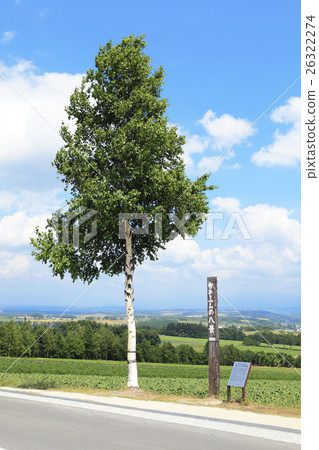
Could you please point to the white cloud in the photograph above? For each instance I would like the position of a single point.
(24, 211)
(13, 265)
(32, 107)
(222, 133)
(210, 163)
(7, 37)
(272, 255)
(180, 249)
(271, 224)
(285, 150)
(194, 144)
(28, 145)
(16, 229)
(235, 166)
(226, 130)
(228, 204)
(290, 112)
(266, 224)
(31, 202)
(7, 199)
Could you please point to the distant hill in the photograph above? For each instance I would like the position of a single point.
(272, 316)
(226, 317)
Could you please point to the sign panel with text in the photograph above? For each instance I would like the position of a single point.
(238, 377)
(239, 374)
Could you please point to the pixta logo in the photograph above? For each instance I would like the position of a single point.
(140, 224)
(68, 228)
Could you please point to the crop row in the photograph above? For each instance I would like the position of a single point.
(266, 392)
(146, 370)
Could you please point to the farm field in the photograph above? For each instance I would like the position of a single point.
(275, 387)
(198, 345)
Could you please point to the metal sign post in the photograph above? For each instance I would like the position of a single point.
(213, 338)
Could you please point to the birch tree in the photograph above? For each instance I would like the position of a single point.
(120, 156)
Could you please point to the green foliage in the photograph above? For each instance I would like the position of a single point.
(198, 330)
(195, 330)
(148, 334)
(123, 157)
(168, 353)
(267, 386)
(91, 340)
(231, 334)
(230, 353)
(249, 341)
(283, 338)
(10, 339)
(78, 340)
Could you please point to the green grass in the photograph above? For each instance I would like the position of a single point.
(279, 387)
(198, 345)
(294, 350)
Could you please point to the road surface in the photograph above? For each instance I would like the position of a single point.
(32, 422)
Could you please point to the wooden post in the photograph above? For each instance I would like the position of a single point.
(228, 393)
(213, 337)
(243, 396)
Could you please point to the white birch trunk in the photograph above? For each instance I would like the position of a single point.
(131, 344)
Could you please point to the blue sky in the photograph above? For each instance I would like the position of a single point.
(226, 63)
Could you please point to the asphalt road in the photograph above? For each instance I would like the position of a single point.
(33, 425)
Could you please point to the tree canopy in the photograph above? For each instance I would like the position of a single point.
(120, 155)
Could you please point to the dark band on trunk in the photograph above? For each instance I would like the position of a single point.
(131, 362)
(131, 351)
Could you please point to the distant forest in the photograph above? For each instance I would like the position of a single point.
(198, 330)
(195, 330)
(91, 340)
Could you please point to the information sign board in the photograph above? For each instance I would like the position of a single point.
(239, 374)
(238, 377)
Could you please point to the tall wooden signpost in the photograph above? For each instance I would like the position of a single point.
(213, 337)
